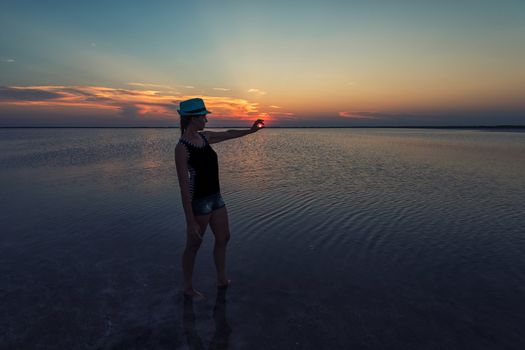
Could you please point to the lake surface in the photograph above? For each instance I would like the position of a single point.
(341, 238)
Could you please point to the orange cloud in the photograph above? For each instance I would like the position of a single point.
(127, 102)
(257, 91)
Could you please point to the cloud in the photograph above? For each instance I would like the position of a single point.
(7, 60)
(129, 111)
(221, 89)
(386, 118)
(150, 85)
(257, 91)
(57, 105)
(276, 107)
(365, 115)
(187, 86)
(11, 93)
(133, 105)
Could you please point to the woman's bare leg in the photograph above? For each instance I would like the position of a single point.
(190, 252)
(221, 230)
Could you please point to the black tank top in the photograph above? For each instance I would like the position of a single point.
(203, 168)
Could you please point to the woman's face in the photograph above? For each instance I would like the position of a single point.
(200, 121)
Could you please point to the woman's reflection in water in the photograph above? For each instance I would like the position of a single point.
(222, 328)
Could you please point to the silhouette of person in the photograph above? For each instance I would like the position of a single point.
(200, 191)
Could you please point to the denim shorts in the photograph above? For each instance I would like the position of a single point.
(205, 205)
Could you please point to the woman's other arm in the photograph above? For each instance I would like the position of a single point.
(181, 161)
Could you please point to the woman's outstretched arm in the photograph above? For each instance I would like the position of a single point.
(219, 136)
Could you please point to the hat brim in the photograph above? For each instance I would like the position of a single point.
(186, 114)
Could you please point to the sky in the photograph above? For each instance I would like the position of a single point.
(292, 63)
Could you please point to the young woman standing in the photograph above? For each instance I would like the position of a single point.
(198, 173)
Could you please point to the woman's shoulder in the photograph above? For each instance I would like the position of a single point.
(195, 143)
(184, 143)
(181, 147)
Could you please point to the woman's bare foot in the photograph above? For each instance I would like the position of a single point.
(193, 294)
(223, 284)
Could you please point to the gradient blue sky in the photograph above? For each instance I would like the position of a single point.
(326, 63)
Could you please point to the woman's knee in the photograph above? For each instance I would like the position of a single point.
(193, 246)
(222, 238)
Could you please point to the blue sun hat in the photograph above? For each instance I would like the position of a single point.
(192, 107)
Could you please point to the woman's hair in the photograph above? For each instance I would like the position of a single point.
(184, 122)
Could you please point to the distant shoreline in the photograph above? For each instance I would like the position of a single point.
(471, 127)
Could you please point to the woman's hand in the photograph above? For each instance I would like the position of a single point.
(194, 230)
(258, 124)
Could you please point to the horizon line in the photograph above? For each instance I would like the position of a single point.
(282, 127)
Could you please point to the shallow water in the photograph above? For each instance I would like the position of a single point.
(364, 238)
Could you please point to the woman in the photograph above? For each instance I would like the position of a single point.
(200, 191)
